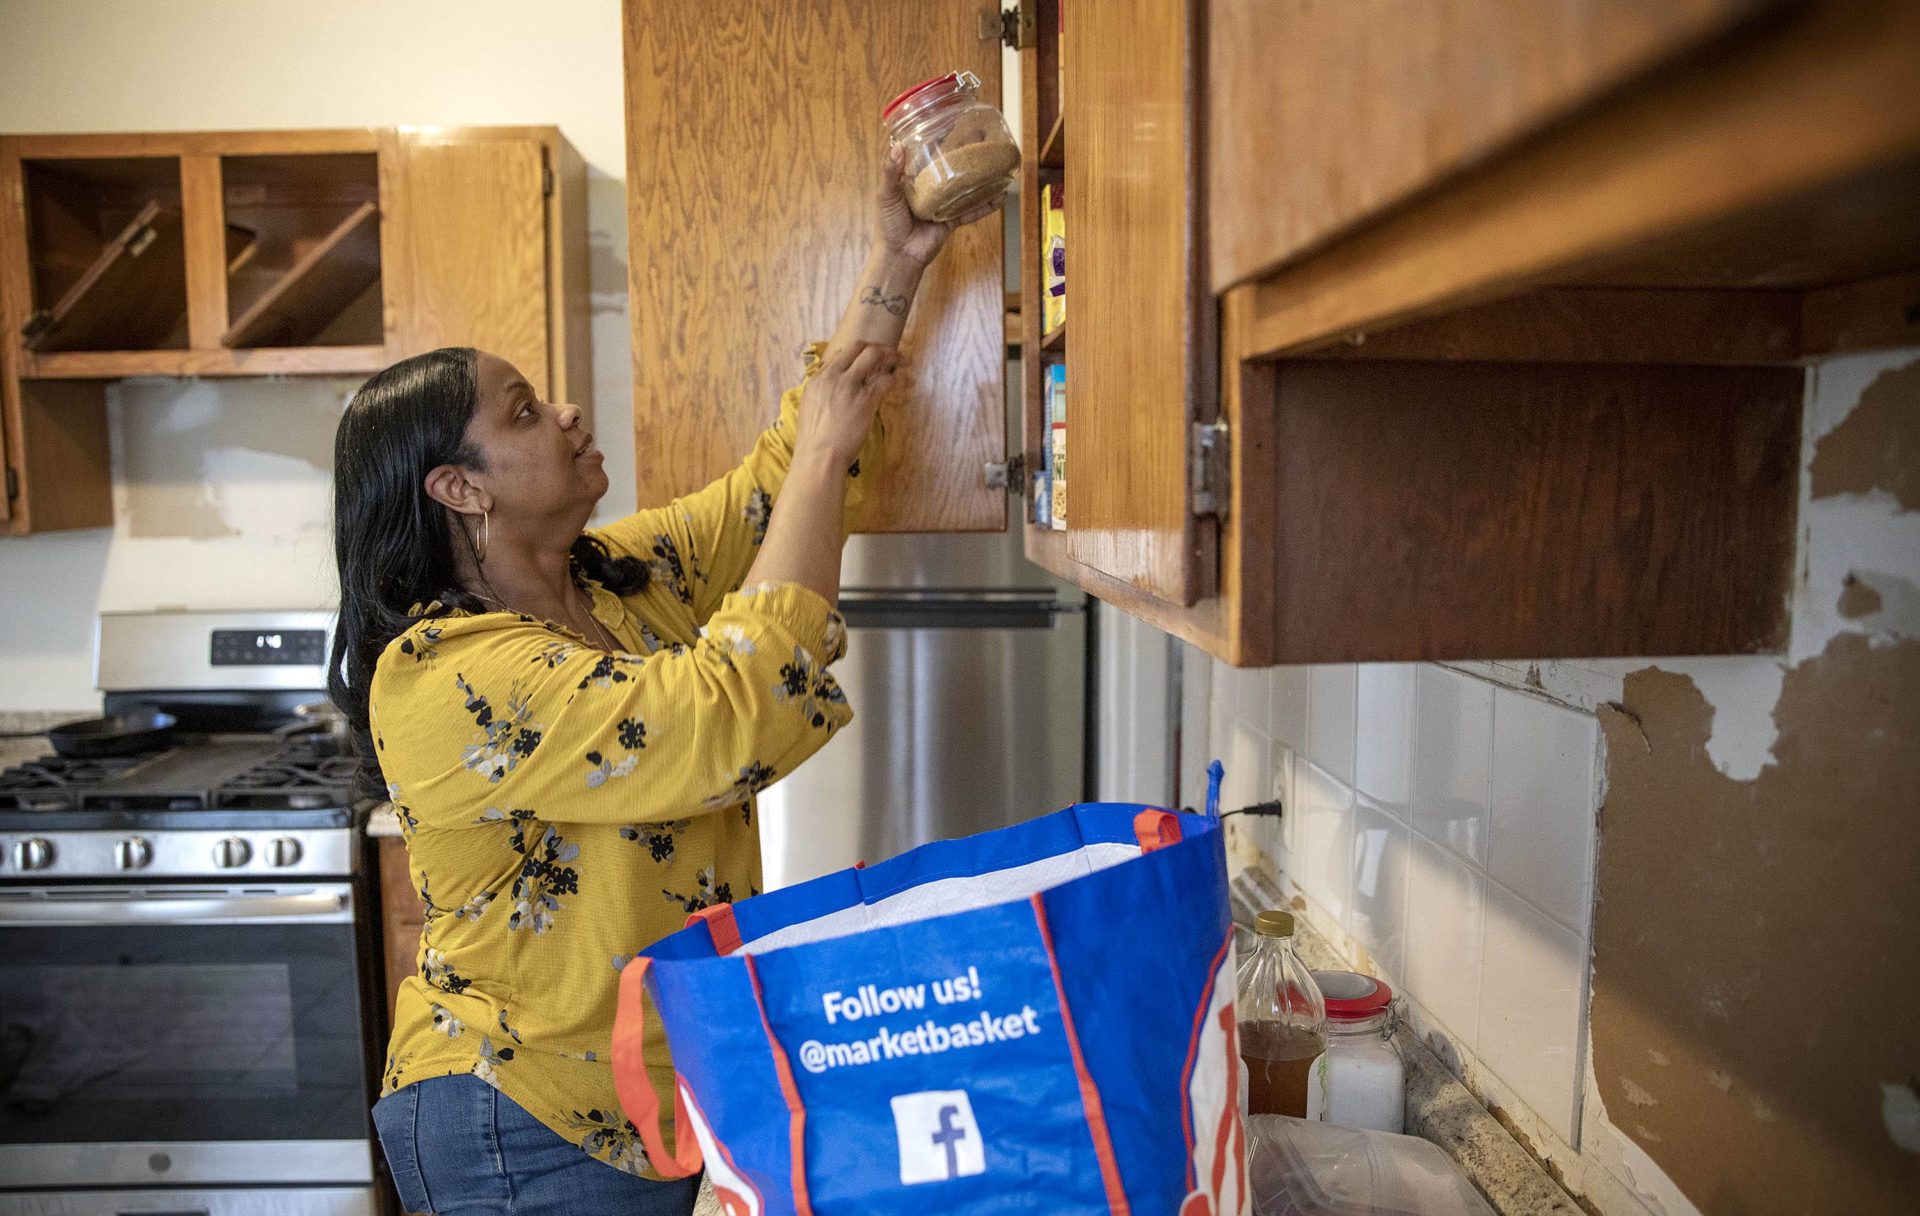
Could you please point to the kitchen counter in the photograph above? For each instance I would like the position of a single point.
(1441, 1109)
(19, 751)
(383, 821)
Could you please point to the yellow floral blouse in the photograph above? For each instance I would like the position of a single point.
(564, 808)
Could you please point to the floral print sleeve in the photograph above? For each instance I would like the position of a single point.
(699, 548)
(509, 716)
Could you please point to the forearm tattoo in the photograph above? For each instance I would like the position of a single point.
(897, 305)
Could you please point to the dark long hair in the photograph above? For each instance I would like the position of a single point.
(393, 544)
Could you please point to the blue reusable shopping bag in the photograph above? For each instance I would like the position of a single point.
(1034, 1019)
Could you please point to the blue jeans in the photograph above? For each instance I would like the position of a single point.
(459, 1147)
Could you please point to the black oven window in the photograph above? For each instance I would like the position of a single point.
(165, 1032)
(180, 1033)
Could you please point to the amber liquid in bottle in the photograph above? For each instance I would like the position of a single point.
(1279, 1062)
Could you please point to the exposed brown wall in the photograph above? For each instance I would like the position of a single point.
(1757, 943)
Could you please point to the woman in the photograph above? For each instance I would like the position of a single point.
(573, 725)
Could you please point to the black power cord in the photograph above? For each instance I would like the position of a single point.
(1259, 808)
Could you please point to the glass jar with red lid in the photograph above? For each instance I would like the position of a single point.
(1363, 1073)
(959, 153)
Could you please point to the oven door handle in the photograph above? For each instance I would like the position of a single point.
(322, 905)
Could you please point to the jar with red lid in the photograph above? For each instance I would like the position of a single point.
(1363, 1077)
(959, 154)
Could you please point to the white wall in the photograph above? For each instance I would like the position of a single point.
(1443, 820)
(141, 65)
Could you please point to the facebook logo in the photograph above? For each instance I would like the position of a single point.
(939, 1139)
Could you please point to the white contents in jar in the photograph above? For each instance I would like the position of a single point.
(1365, 1083)
(1361, 1079)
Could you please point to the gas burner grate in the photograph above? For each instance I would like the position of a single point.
(52, 783)
(256, 774)
(298, 778)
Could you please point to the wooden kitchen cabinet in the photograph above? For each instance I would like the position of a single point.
(1547, 404)
(754, 147)
(269, 253)
(1345, 110)
(488, 247)
(1515, 311)
(1120, 139)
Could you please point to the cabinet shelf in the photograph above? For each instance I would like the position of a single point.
(1055, 339)
(1053, 153)
(318, 288)
(256, 361)
(251, 254)
(130, 297)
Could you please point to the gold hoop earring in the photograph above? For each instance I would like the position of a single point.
(486, 528)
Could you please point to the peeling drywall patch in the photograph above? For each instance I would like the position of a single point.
(1852, 523)
(196, 464)
(1878, 446)
(1889, 605)
(1716, 894)
(1858, 599)
(1743, 693)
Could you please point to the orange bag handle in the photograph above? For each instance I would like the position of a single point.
(1156, 829)
(635, 1087)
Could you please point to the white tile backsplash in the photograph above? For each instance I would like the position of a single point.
(1251, 689)
(1248, 759)
(1290, 692)
(1377, 884)
(1383, 738)
(1542, 804)
(1443, 821)
(1532, 989)
(1330, 720)
(1452, 759)
(1446, 901)
(1322, 835)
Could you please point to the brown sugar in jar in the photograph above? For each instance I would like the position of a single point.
(959, 153)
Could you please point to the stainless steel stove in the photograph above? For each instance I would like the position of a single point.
(184, 942)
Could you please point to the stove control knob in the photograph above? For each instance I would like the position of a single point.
(232, 853)
(133, 853)
(283, 851)
(33, 854)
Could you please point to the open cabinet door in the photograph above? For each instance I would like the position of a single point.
(754, 146)
(1140, 357)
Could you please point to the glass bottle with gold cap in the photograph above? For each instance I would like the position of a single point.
(1283, 1022)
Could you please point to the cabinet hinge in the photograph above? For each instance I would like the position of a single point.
(1209, 472)
(13, 484)
(546, 181)
(1009, 474)
(1013, 27)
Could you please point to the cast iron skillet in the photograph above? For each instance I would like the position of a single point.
(127, 734)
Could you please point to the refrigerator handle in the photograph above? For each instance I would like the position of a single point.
(953, 611)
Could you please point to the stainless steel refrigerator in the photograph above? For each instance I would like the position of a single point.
(966, 668)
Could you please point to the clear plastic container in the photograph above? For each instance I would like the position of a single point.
(1283, 1022)
(1297, 1167)
(959, 153)
(1365, 1076)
